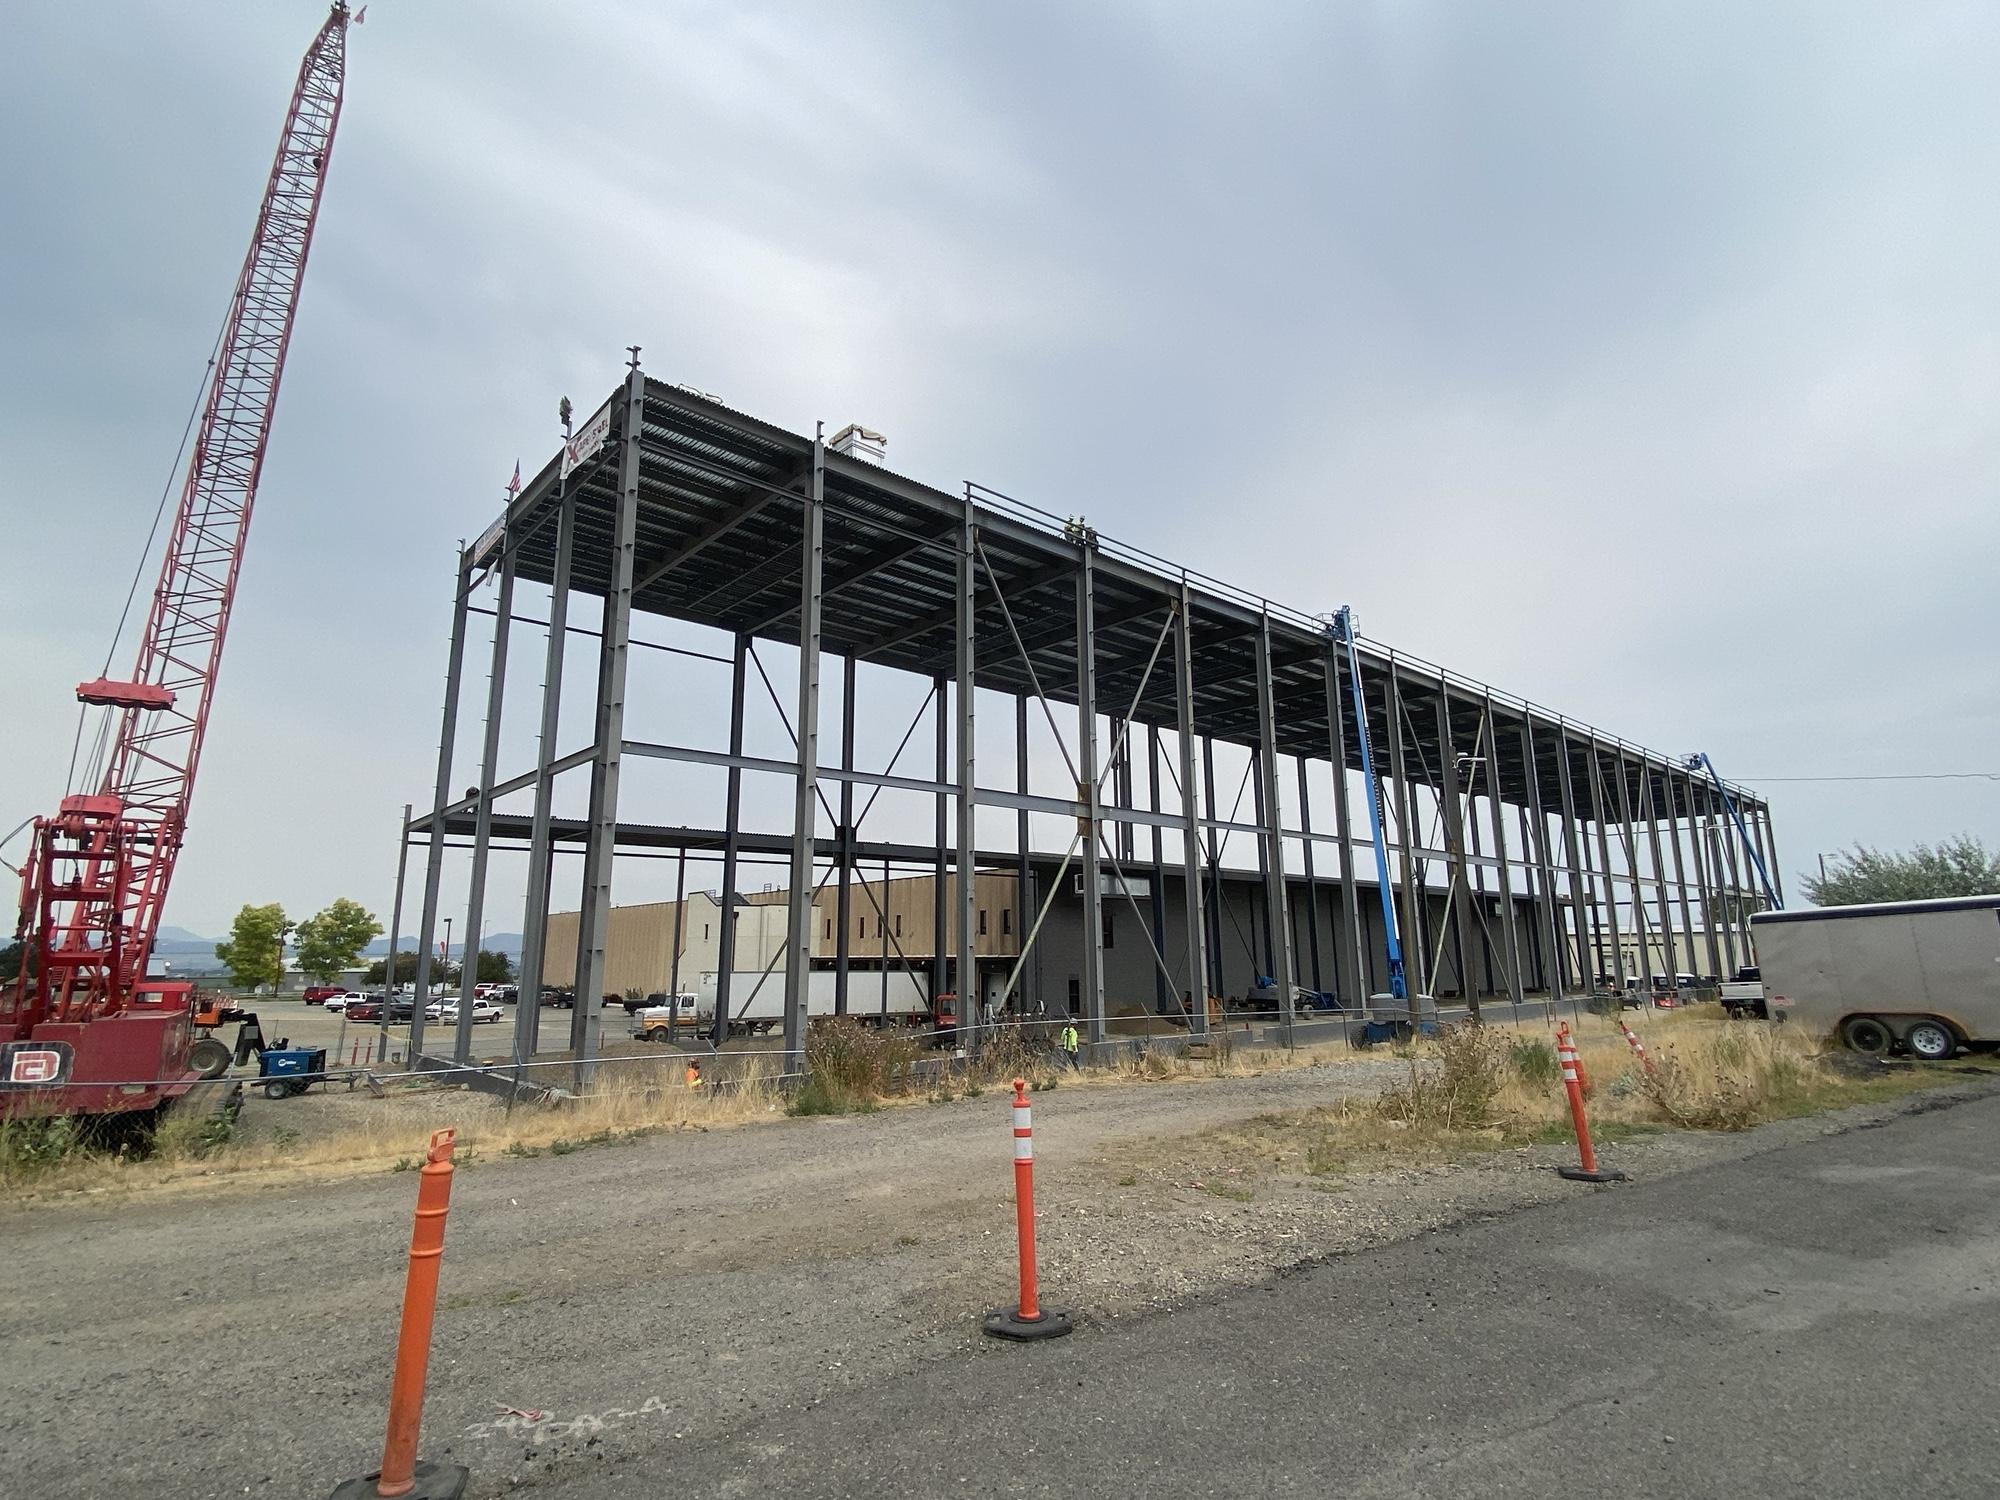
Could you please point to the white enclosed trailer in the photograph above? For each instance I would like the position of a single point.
(1923, 976)
(757, 1000)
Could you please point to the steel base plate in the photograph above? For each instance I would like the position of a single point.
(1007, 1323)
(1577, 1174)
(434, 1482)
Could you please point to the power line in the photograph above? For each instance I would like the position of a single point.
(1891, 776)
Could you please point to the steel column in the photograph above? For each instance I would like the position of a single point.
(1278, 926)
(434, 855)
(541, 853)
(599, 854)
(1556, 968)
(395, 932)
(799, 913)
(1348, 965)
(1212, 901)
(732, 839)
(1087, 791)
(1498, 818)
(843, 911)
(1650, 808)
(1028, 997)
(940, 899)
(1458, 892)
(1312, 883)
(482, 817)
(1601, 813)
(1191, 809)
(1162, 992)
(1575, 847)
(1642, 928)
(1416, 915)
(1675, 830)
(971, 1002)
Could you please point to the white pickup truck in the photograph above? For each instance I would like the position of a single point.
(1744, 995)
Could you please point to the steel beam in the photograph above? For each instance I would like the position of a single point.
(1642, 928)
(1028, 1002)
(1649, 809)
(1163, 995)
(940, 897)
(1458, 883)
(1416, 917)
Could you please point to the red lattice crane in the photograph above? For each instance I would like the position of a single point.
(84, 1029)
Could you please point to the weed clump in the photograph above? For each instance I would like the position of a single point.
(850, 1066)
(1458, 1093)
(1533, 1061)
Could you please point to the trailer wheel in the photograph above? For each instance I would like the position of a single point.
(1933, 1041)
(209, 1057)
(1866, 1034)
(276, 1089)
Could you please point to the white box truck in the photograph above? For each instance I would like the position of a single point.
(1919, 976)
(757, 1000)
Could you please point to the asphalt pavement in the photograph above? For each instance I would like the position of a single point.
(1818, 1320)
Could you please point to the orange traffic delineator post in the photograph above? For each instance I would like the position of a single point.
(1027, 1318)
(1587, 1170)
(402, 1472)
(1638, 1047)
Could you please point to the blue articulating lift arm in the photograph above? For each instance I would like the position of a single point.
(1343, 632)
(1699, 761)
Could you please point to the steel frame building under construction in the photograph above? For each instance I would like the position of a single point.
(667, 503)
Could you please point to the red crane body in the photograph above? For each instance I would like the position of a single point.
(83, 1029)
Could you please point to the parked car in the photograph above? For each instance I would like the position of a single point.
(1744, 995)
(447, 1011)
(371, 1008)
(560, 999)
(504, 994)
(319, 994)
(340, 1000)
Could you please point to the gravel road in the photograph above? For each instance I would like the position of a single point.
(682, 1289)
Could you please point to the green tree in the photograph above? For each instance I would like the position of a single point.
(406, 968)
(331, 940)
(10, 962)
(1956, 867)
(494, 968)
(255, 952)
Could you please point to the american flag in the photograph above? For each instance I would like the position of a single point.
(514, 484)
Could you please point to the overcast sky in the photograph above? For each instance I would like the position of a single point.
(1639, 359)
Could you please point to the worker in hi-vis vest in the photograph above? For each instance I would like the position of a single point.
(1068, 1041)
(694, 1073)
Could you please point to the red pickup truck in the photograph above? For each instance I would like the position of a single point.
(319, 994)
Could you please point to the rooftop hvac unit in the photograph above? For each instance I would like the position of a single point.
(860, 442)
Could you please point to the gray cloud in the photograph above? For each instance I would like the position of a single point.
(1639, 359)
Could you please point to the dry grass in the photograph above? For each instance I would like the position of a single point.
(1478, 1089)
(391, 1134)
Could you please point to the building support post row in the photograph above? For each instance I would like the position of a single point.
(541, 853)
(799, 912)
(482, 815)
(1087, 792)
(971, 1003)
(1649, 810)
(434, 854)
(1348, 965)
(594, 928)
(1278, 925)
(1674, 783)
(1191, 813)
